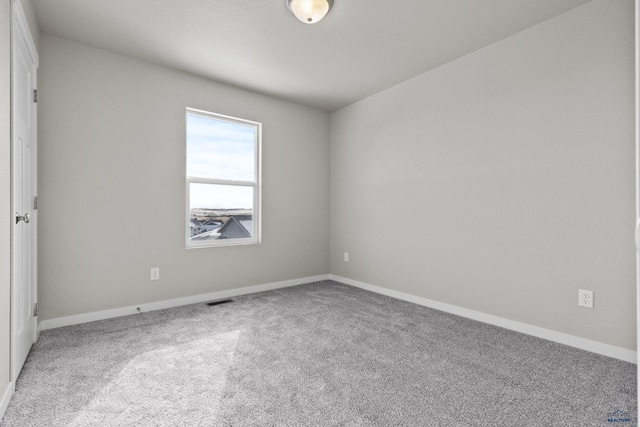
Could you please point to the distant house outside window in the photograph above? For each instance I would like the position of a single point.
(222, 180)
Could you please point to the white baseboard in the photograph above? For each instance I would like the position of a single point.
(570, 340)
(161, 305)
(6, 398)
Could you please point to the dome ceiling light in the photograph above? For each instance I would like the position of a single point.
(309, 11)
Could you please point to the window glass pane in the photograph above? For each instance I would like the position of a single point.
(218, 149)
(220, 212)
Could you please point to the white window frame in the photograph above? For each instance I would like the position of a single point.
(256, 185)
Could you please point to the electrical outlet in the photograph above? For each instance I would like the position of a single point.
(155, 274)
(585, 298)
(346, 257)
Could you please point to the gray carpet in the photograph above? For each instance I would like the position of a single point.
(322, 354)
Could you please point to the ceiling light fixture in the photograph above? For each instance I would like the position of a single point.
(309, 11)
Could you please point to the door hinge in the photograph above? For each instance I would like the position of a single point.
(35, 203)
(36, 309)
(35, 95)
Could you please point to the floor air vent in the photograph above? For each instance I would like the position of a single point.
(222, 301)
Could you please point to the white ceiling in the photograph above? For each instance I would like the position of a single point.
(360, 48)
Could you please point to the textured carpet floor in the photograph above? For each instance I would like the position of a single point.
(322, 354)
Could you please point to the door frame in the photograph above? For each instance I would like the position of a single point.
(20, 25)
(637, 144)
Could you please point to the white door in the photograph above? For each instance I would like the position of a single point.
(23, 175)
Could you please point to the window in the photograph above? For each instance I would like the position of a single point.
(223, 180)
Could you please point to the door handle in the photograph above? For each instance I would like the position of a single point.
(24, 218)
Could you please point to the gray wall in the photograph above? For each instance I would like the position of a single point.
(501, 182)
(5, 198)
(112, 192)
(32, 21)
